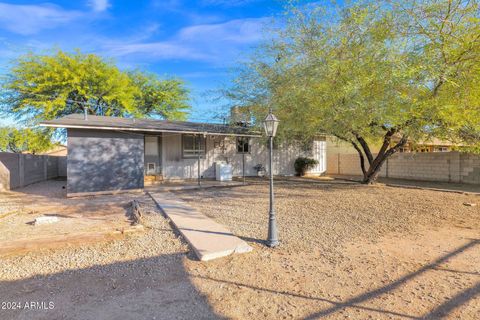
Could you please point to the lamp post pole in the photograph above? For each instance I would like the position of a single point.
(270, 124)
(272, 240)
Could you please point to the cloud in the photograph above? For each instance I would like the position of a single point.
(207, 42)
(99, 5)
(31, 19)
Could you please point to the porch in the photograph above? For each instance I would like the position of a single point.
(177, 185)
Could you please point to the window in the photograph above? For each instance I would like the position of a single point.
(193, 145)
(243, 145)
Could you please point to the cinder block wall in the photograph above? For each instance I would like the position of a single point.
(19, 170)
(436, 166)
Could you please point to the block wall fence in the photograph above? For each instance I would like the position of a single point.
(19, 170)
(452, 167)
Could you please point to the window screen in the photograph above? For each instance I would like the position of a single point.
(243, 145)
(193, 146)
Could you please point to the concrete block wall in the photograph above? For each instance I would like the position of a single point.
(4, 178)
(19, 170)
(430, 166)
(470, 168)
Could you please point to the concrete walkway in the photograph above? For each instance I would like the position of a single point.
(208, 239)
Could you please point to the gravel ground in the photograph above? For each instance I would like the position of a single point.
(139, 277)
(324, 215)
(347, 251)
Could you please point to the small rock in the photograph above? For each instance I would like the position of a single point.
(469, 204)
(45, 220)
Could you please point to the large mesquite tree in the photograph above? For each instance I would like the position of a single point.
(374, 74)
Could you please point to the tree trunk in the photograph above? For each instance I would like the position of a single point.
(370, 177)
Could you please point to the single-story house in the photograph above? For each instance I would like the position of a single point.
(112, 154)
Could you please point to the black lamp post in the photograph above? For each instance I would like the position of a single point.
(270, 124)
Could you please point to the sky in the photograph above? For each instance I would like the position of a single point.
(198, 41)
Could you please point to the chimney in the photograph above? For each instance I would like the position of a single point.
(239, 116)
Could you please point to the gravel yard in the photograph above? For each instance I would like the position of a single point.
(347, 251)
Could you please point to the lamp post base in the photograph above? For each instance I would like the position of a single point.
(273, 243)
(272, 239)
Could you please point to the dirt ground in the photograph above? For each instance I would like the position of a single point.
(347, 251)
(86, 219)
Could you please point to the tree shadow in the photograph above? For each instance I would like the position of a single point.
(446, 307)
(150, 288)
(454, 302)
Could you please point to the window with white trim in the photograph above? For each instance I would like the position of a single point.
(193, 145)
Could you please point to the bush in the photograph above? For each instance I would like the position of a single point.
(303, 164)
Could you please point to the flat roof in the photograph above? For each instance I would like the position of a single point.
(78, 121)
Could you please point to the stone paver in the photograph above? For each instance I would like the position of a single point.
(208, 239)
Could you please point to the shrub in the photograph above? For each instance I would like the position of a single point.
(303, 164)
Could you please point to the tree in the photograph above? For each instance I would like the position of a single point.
(25, 140)
(44, 87)
(374, 74)
(160, 98)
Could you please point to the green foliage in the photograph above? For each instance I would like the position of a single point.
(370, 73)
(25, 140)
(43, 87)
(303, 164)
(167, 99)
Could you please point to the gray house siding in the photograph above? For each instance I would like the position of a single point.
(100, 160)
(223, 148)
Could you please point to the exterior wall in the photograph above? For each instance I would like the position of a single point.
(436, 166)
(100, 160)
(176, 167)
(18, 170)
(220, 148)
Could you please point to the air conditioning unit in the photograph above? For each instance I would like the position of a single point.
(223, 171)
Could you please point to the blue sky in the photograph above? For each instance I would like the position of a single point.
(199, 41)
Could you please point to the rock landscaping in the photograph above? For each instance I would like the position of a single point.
(347, 251)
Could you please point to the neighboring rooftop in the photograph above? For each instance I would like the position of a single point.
(145, 125)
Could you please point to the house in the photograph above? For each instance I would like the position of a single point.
(430, 145)
(337, 146)
(107, 154)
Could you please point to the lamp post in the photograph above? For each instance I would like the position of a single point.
(270, 125)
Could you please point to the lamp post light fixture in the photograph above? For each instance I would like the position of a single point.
(270, 125)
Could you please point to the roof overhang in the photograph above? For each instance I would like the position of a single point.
(115, 128)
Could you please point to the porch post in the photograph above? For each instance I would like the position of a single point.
(243, 164)
(198, 160)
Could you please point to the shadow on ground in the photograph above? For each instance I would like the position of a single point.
(363, 300)
(153, 288)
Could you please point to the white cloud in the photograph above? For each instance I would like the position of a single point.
(30, 19)
(99, 5)
(206, 42)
